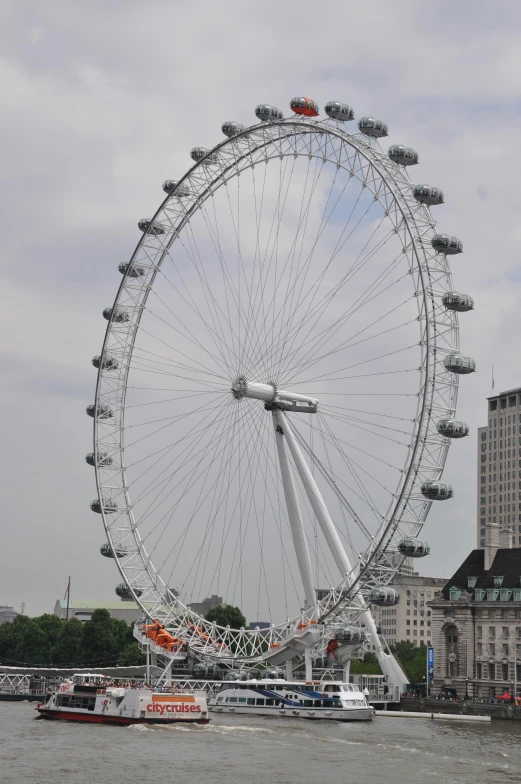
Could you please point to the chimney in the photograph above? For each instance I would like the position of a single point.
(505, 538)
(491, 543)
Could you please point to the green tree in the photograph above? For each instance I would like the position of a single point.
(31, 644)
(367, 666)
(99, 645)
(412, 658)
(8, 638)
(122, 632)
(50, 626)
(68, 646)
(227, 615)
(131, 656)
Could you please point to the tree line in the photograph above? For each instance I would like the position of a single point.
(46, 641)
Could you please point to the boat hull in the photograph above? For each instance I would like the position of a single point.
(97, 718)
(361, 714)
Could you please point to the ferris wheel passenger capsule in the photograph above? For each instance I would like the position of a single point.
(105, 362)
(103, 459)
(339, 111)
(413, 548)
(265, 112)
(107, 551)
(124, 592)
(181, 191)
(437, 491)
(304, 106)
(203, 154)
(403, 155)
(458, 364)
(461, 303)
(147, 226)
(372, 127)
(452, 428)
(383, 597)
(231, 128)
(350, 635)
(103, 411)
(428, 194)
(131, 269)
(109, 506)
(118, 315)
(442, 243)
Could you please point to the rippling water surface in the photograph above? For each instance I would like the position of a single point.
(254, 750)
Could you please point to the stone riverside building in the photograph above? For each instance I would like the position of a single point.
(476, 623)
(499, 467)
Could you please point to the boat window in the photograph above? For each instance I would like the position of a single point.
(251, 700)
(269, 702)
(242, 699)
(318, 703)
(260, 701)
(327, 703)
(307, 703)
(337, 704)
(233, 699)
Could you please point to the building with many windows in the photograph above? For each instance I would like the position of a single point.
(476, 623)
(499, 467)
(410, 619)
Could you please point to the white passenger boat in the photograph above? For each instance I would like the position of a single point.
(305, 700)
(88, 698)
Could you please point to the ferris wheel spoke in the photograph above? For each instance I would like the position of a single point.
(167, 517)
(362, 300)
(303, 270)
(230, 438)
(173, 421)
(311, 293)
(271, 252)
(219, 340)
(350, 343)
(145, 355)
(183, 354)
(187, 456)
(219, 362)
(265, 350)
(218, 311)
(317, 312)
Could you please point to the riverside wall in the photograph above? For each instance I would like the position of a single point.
(461, 707)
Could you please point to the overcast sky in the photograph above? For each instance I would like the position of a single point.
(103, 100)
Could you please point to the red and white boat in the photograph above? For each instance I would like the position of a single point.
(89, 698)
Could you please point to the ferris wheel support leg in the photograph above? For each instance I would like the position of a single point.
(295, 519)
(315, 498)
(308, 664)
(289, 670)
(388, 663)
(346, 668)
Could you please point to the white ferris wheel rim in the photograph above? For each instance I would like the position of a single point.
(436, 397)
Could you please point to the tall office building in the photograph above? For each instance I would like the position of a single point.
(499, 472)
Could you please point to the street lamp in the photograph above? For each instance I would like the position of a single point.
(466, 688)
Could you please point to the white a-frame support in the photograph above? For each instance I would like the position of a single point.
(295, 520)
(388, 663)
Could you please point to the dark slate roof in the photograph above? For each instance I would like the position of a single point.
(506, 564)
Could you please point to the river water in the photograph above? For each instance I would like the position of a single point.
(248, 750)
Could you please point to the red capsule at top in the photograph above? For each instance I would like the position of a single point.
(305, 106)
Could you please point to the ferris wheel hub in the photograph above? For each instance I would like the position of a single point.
(268, 393)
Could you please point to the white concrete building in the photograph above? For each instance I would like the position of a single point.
(499, 468)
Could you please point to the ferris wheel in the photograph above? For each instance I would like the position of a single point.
(277, 386)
